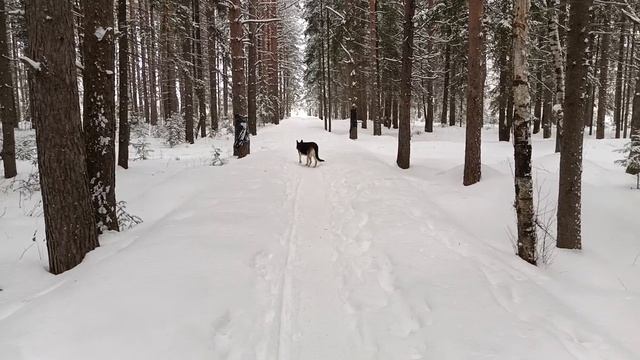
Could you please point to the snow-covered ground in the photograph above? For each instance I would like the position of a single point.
(264, 258)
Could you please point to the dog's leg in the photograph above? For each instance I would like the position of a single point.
(299, 158)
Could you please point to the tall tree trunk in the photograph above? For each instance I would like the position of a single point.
(475, 98)
(503, 83)
(521, 135)
(570, 188)
(604, 77)
(404, 133)
(547, 107)
(633, 166)
(213, 70)
(8, 114)
(239, 89)
(123, 95)
(70, 224)
(144, 71)
(351, 68)
(452, 102)
(375, 67)
(328, 38)
(225, 83)
(445, 85)
(198, 69)
(186, 69)
(251, 68)
(558, 64)
(99, 110)
(617, 115)
(152, 64)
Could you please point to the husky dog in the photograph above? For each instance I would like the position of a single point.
(310, 150)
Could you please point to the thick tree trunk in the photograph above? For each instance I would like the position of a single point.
(8, 114)
(570, 188)
(522, 137)
(395, 110)
(404, 133)
(69, 219)
(239, 89)
(475, 97)
(123, 94)
(604, 79)
(99, 110)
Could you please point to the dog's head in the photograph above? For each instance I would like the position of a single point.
(298, 143)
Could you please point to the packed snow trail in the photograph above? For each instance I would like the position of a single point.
(265, 258)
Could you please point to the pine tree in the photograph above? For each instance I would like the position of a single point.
(8, 114)
(475, 97)
(404, 134)
(570, 188)
(70, 223)
(99, 110)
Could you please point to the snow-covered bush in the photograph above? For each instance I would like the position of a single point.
(139, 141)
(26, 149)
(173, 130)
(631, 162)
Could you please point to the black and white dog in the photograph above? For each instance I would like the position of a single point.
(310, 150)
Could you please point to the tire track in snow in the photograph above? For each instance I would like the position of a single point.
(285, 325)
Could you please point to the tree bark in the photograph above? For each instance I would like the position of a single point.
(123, 94)
(251, 68)
(198, 69)
(239, 87)
(570, 187)
(558, 64)
(475, 96)
(404, 133)
(375, 65)
(617, 115)
(213, 70)
(99, 110)
(604, 78)
(8, 114)
(70, 224)
(522, 136)
(186, 67)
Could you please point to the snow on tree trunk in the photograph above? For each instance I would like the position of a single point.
(99, 110)
(475, 95)
(239, 86)
(570, 187)
(8, 114)
(404, 133)
(522, 136)
(69, 219)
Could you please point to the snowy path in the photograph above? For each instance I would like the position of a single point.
(267, 259)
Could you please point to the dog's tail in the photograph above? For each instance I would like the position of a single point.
(318, 155)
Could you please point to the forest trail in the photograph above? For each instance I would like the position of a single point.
(267, 259)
